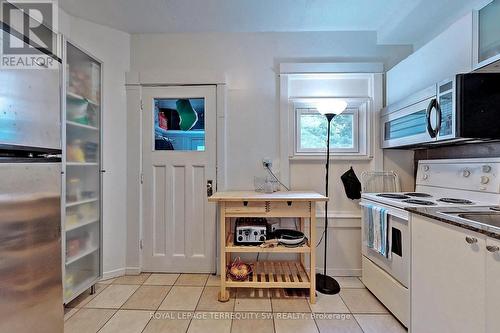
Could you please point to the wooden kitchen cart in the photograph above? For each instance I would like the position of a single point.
(268, 274)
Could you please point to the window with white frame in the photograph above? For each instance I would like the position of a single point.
(348, 130)
(312, 131)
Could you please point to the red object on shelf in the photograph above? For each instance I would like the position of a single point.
(162, 121)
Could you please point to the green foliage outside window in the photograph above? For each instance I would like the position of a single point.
(313, 127)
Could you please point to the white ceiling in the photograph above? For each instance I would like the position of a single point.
(396, 21)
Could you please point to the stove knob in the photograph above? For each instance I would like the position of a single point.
(240, 238)
(426, 168)
(466, 173)
(485, 180)
(425, 176)
(262, 238)
(486, 168)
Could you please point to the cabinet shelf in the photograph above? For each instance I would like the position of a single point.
(81, 255)
(80, 225)
(274, 274)
(81, 164)
(73, 291)
(231, 247)
(81, 202)
(77, 97)
(75, 124)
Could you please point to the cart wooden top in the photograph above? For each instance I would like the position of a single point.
(259, 196)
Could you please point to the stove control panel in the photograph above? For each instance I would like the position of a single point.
(468, 174)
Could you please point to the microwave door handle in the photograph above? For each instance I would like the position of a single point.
(432, 132)
(439, 117)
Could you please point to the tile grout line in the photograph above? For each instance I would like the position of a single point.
(312, 313)
(107, 321)
(352, 314)
(194, 310)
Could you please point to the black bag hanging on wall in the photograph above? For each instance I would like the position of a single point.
(352, 184)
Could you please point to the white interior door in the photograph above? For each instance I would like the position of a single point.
(179, 158)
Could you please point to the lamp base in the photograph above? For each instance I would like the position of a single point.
(326, 284)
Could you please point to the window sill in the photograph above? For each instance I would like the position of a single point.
(321, 157)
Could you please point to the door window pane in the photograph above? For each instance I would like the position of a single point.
(179, 124)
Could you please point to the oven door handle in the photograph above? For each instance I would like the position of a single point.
(390, 212)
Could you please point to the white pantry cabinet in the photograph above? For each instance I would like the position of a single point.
(492, 286)
(448, 278)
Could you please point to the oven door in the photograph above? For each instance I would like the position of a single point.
(398, 266)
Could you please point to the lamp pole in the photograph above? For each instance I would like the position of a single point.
(326, 284)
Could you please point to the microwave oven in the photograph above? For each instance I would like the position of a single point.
(464, 108)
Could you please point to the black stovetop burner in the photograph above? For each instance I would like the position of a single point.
(420, 202)
(456, 201)
(393, 196)
(418, 195)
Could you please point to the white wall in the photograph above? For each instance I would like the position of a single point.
(344, 254)
(112, 47)
(447, 54)
(250, 62)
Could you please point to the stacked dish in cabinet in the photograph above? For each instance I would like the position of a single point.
(82, 199)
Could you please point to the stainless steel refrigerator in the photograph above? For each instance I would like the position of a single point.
(30, 206)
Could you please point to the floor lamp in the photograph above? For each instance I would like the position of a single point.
(329, 108)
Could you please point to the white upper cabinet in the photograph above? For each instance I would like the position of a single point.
(486, 34)
(447, 54)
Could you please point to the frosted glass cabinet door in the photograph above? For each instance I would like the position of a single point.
(83, 172)
(489, 32)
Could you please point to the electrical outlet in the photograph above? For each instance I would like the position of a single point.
(267, 163)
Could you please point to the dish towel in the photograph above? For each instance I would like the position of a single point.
(377, 229)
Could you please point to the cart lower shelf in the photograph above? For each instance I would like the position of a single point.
(274, 274)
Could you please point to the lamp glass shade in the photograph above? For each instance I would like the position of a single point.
(331, 106)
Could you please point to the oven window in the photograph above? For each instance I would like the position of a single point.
(397, 242)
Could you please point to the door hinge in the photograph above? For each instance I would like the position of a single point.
(140, 244)
(142, 106)
(142, 178)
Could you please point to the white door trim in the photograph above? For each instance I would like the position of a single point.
(173, 192)
(136, 80)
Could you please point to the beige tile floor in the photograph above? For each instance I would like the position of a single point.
(157, 303)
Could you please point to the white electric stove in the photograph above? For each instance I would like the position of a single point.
(439, 183)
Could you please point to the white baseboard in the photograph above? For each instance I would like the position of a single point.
(133, 270)
(114, 273)
(340, 271)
